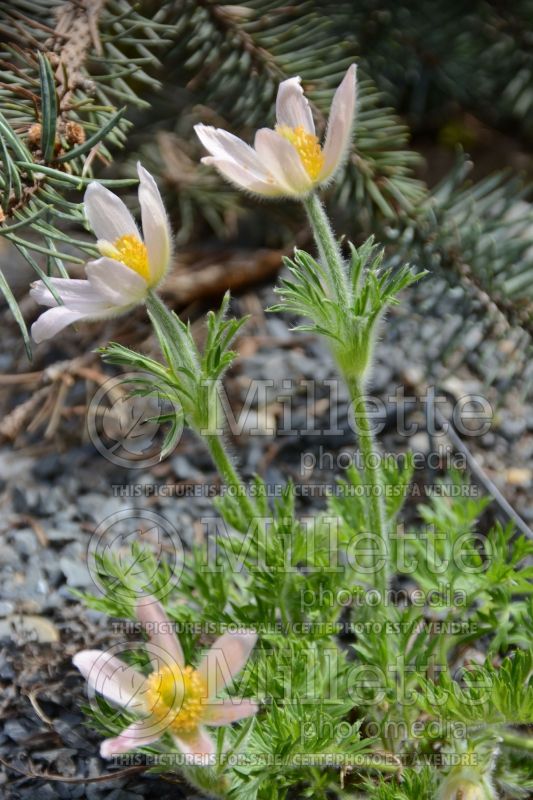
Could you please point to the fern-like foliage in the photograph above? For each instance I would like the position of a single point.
(359, 698)
(485, 695)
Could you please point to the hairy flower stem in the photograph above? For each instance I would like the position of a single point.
(181, 351)
(373, 483)
(517, 740)
(332, 260)
(177, 343)
(207, 780)
(230, 476)
(328, 249)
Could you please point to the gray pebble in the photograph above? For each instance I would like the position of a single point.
(75, 572)
(47, 466)
(26, 542)
(6, 608)
(49, 792)
(512, 427)
(8, 555)
(184, 469)
(17, 730)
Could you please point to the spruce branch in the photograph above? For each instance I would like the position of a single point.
(58, 90)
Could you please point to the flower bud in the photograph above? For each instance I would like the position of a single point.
(465, 784)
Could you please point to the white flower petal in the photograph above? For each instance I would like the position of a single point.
(283, 162)
(225, 659)
(77, 294)
(156, 229)
(112, 678)
(227, 147)
(292, 107)
(135, 735)
(108, 216)
(111, 289)
(341, 118)
(53, 321)
(119, 285)
(160, 630)
(81, 300)
(229, 710)
(197, 746)
(245, 179)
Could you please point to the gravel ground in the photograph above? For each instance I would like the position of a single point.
(57, 490)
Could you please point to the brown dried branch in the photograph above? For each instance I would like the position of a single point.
(47, 401)
(75, 35)
(203, 276)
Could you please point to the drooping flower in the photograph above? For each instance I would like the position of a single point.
(174, 698)
(129, 267)
(289, 160)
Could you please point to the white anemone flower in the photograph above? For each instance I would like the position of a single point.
(288, 161)
(129, 267)
(174, 699)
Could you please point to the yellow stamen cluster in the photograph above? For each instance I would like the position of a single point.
(176, 696)
(132, 252)
(307, 146)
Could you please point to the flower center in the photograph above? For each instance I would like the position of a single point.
(177, 693)
(132, 252)
(307, 146)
